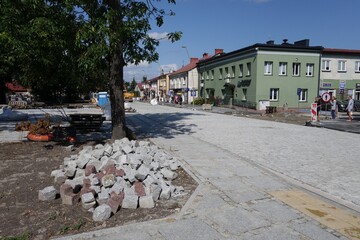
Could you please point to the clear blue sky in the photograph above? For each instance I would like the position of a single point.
(235, 24)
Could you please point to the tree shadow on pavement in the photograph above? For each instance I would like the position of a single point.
(165, 125)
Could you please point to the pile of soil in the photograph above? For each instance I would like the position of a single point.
(25, 169)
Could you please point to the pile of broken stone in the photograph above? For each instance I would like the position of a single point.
(124, 174)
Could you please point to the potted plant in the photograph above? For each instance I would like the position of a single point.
(39, 131)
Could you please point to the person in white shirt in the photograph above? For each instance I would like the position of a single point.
(350, 108)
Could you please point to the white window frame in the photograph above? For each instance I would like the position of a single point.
(309, 69)
(268, 65)
(341, 66)
(248, 66)
(303, 95)
(274, 94)
(282, 68)
(296, 69)
(325, 65)
(241, 68)
(357, 66)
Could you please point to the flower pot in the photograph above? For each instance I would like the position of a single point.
(40, 137)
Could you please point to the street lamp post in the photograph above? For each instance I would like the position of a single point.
(187, 52)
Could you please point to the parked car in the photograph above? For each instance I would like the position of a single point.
(340, 105)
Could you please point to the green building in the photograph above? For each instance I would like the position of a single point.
(278, 75)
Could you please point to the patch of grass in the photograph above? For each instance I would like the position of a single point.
(24, 236)
(77, 227)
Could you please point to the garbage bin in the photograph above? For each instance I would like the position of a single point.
(102, 99)
(270, 109)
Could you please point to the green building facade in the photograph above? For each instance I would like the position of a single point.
(279, 75)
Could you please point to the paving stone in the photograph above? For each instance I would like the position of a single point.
(103, 197)
(108, 150)
(109, 168)
(90, 169)
(237, 220)
(165, 193)
(127, 149)
(118, 186)
(189, 229)
(68, 197)
(83, 160)
(130, 201)
(60, 177)
(87, 197)
(275, 212)
(108, 180)
(102, 213)
(47, 194)
(168, 174)
(142, 172)
(139, 188)
(115, 201)
(155, 190)
(146, 202)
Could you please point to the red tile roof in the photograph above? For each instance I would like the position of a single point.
(15, 87)
(340, 51)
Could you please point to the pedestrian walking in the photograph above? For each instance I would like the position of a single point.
(349, 108)
(333, 107)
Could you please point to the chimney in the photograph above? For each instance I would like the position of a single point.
(219, 51)
(193, 60)
(285, 41)
(270, 42)
(205, 55)
(304, 42)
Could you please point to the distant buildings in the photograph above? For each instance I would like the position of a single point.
(288, 75)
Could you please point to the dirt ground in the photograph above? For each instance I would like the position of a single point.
(25, 169)
(285, 117)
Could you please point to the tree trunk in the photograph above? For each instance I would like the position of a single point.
(116, 83)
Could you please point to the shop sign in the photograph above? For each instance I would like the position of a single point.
(326, 84)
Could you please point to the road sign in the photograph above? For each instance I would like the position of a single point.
(326, 96)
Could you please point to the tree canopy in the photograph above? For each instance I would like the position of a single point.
(73, 46)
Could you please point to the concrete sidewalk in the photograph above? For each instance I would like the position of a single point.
(243, 166)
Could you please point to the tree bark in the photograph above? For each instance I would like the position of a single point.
(116, 83)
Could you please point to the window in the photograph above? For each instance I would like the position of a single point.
(296, 69)
(248, 65)
(207, 75)
(282, 68)
(226, 72)
(202, 75)
(303, 95)
(241, 67)
(232, 71)
(309, 69)
(212, 74)
(341, 66)
(221, 73)
(325, 65)
(274, 94)
(357, 66)
(244, 94)
(268, 68)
